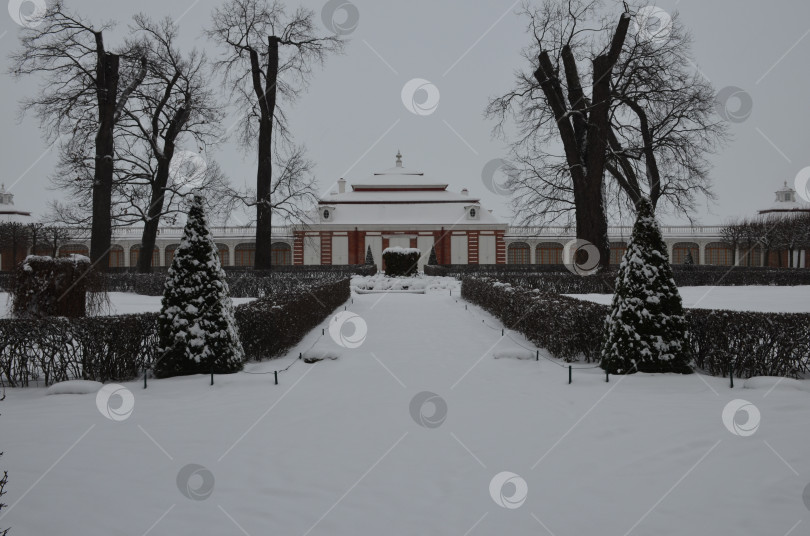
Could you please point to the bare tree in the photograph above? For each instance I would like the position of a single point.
(268, 57)
(551, 106)
(84, 90)
(173, 103)
(661, 117)
(15, 238)
(663, 120)
(733, 234)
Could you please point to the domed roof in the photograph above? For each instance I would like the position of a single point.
(7, 211)
(786, 201)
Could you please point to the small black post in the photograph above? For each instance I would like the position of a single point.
(465, 306)
(731, 374)
(501, 332)
(275, 373)
(212, 376)
(607, 376)
(344, 308)
(352, 300)
(300, 355)
(144, 377)
(569, 374)
(323, 331)
(538, 356)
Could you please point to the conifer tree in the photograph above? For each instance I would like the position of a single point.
(689, 260)
(646, 329)
(432, 261)
(197, 329)
(369, 257)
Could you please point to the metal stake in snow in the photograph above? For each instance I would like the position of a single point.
(731, 374)
(607, 376)
(144, 376)
(569, 374)
(275, 373)
(212, 374)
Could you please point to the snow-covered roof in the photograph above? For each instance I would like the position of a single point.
(398, 177)
(787, 201)
(397, 196)
(8, 213)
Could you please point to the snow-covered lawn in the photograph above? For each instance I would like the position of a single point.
(121, 303)
(751, 298)
(355, 446)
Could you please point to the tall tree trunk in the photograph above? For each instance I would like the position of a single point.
(264, 175)
(150, 228)
(101, 231)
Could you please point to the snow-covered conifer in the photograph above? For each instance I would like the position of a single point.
(646, 329)
(197, 330)
(369, 257)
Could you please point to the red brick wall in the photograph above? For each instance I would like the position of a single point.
(326, 247)
(298, 248)
(500, 248)
(472, 247)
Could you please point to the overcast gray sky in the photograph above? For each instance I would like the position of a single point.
(353, 120)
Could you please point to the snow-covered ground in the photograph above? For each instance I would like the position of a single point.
(752, 298)
(121, 303)
(411, 432)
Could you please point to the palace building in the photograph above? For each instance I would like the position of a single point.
(407, 208)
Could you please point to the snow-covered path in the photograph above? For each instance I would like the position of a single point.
(335, 448)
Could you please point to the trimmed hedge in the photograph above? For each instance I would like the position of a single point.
(118, 348)
(401, 261)
(103, 348)
(555, 278)
(242, 284)
(270, 326)
(757, 344)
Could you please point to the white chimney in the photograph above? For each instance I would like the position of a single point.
(465, 192)
(342, 186)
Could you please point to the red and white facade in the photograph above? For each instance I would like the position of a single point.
(400, 207)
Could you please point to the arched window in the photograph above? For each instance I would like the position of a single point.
(42, 250)
(74, 249)
(169, 253)
(519, 253)
(245, 254)
(680, 249)
(750, 256)
(224, 255)
(281, 254)
(719, 254)
(116, 258)
(617, 250)
(135, 253)
(549, 253)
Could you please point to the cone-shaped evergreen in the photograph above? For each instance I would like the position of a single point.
(432, 261)
(689, 260)
(646, 328)
(369, 257)
(197, 330)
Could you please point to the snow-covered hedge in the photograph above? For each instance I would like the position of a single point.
(116, 348)
(756, 344)
(401, 261)
(47, 286)
(271, 325)
(242, 283)
(555, 278)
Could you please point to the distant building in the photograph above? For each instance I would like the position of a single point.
(404, 207)
(400, 207)
(9, 254)
(786, 203)
(8, 213)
